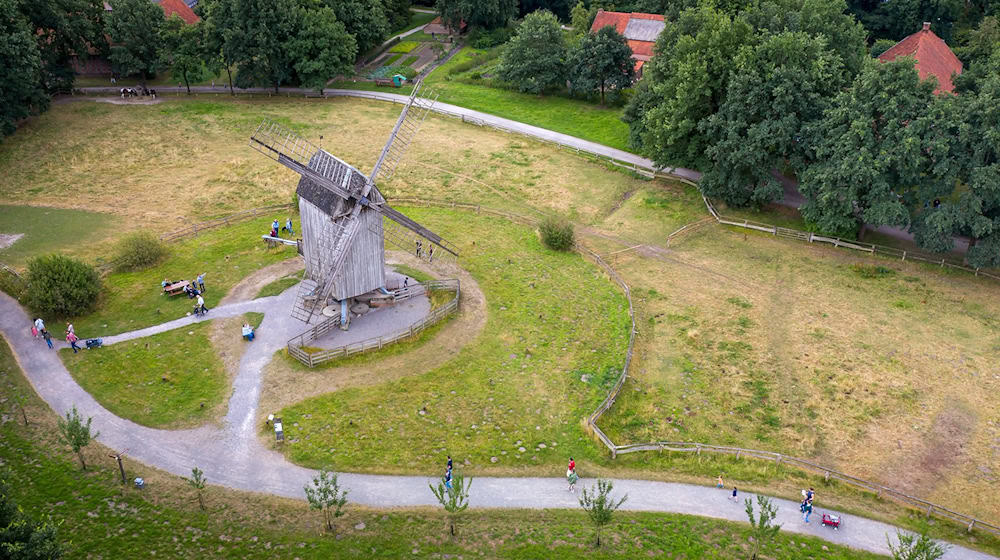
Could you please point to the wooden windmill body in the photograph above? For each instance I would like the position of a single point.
(345, 220)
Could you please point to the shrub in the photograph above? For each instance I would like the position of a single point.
(62, 286)
(410, 73)
(139, 250)
(557, 234)
(11, 284)
(404, 47)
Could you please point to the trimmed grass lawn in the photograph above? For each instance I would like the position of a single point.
(552, 318)
(404, 46)
(172, 379)
(98, 517)
(279, 286)
(50, 230)
(134, 300)
(569, 116)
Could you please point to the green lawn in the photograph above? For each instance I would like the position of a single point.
(404, 46)
(171, 379)
(552, 318)
(569, 116)
(50, 230)
(97, 517)
(279, 285)
(134, 300)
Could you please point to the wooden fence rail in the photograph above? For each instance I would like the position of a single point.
(195, 229)
(312, 359)
(925, 507)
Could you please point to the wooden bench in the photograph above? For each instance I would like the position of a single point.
(175, 288)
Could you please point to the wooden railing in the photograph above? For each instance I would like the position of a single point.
(881, 491)
(314, 358)
(194, 229)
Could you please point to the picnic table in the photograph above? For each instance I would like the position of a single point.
(175, 288)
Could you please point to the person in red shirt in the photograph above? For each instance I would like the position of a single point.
(571, 476)
(572, 465)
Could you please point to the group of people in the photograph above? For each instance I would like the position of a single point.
(38, 330)
(420, 251)
(276, 232)
(193, 289)
(806, 507)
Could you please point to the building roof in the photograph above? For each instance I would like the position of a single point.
(179, 7)
(640, 31)
(932, 54)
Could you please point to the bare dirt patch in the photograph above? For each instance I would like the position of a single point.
(285, 384)
(249, 286)
(8, 239)
(122, 101)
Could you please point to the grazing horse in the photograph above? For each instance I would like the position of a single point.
(152, 92)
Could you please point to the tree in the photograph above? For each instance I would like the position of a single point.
(134, 27)
(488, 14)
(869, 165)
(603, 60)
(762, 529)
(22, 538)
(398, 13)
(60, 285)
(364, 19)
(780, 86)
(252, 36)
(21, 93)
(217, 53)
(322, 49)
(581, 18)
(535, 58)
(75, 433)
(326, 496)
(915, 547)
(455, 499)
(64, 30)
(599, 504)
(686, 82)
(183, 43)
(560, 8)
(197, 481)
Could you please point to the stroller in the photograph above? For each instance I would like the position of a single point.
(94, 343)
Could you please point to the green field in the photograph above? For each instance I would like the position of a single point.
(168, 380)
(97, 517)
(50, 230)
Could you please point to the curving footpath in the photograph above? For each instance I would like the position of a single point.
(232, 456)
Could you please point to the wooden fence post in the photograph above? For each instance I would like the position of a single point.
(971, 525)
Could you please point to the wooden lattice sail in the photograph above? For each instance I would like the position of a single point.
(344, 217)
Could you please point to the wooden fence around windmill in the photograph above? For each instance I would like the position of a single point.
(299, 349)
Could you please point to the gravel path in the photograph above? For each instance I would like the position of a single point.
(233, 456)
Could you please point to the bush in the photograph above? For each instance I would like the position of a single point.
(880, 46)
(61, 286)
(410, 73)
(482, 39)
(139, 250)
(557, 234)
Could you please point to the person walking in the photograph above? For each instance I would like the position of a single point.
(288, 227)
(571, 478)
(447, 479)
(71, 339)
(274, 227)
(69, 328)
(39, 324)
(718, 482)
(34, 331)
(201, 282)
(449, 462)
(47, 337)
(735, 496)
(201, 305)
(807, 509)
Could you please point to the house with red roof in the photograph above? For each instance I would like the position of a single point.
(933, 57)
(179, 7)
(640, 31)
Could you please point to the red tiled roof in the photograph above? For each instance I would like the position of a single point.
(932, 54)
(641, 50)
(178, 7)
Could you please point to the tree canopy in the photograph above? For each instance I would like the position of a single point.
(322, 49)
(364, 19)
(488, 14)
(64, 29)
(21, 92)
(534, 60)
(602, 61)
(184, 50)
(134, 27)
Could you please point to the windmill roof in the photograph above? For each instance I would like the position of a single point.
(332, 168)
(932, 54)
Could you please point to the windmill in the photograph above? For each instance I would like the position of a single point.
(341, 212)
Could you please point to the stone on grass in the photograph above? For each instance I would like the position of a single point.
(360, 526)
(521, 449)
(494, 459)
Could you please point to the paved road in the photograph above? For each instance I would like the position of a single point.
(233, 456)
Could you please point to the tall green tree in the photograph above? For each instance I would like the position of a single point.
(560, 8)
(21, 91)
(398, 13)
(134, 27)
(218, 54)
(581, 18)
(185, 50)
(321, 49)
(602, 61)
(22, 538)
(488, 14)
(780, 86)
(534, 60)
(255, 35)
(364, 19)
(869, 162)
(64, 30)
(686, 80)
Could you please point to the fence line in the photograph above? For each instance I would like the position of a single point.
(194, 229)
(926, 507)
(312, 359)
